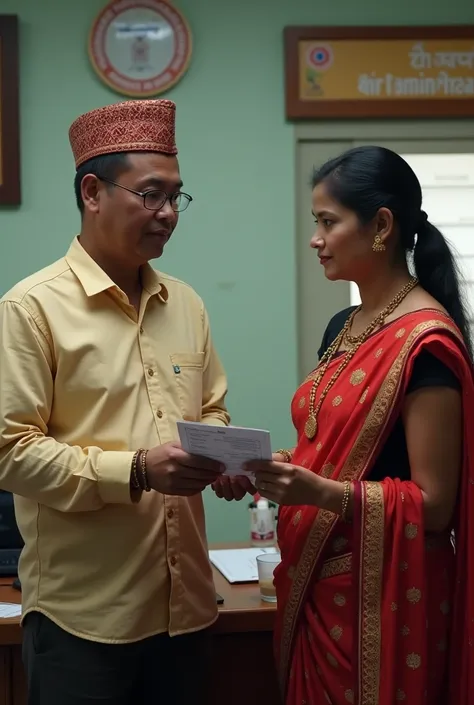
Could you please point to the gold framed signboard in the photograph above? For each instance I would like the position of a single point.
(10, 191)
(140, 48)
(379, 72)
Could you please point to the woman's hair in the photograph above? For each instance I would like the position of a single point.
(367, 178)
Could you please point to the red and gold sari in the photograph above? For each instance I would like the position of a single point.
(375, 611)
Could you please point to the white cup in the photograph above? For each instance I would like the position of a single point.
(266, 564)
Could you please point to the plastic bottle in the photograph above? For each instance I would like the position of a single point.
(262, 522)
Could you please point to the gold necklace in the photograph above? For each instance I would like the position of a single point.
(311, 425)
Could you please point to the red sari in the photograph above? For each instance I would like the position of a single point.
(376, 612)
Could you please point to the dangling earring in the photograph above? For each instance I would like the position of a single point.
(378, 245)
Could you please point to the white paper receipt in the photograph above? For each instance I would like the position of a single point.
(230, 445)
(9, 610)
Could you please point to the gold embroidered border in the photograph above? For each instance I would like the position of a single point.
(370, 587)
(376, 420)
(336, 566)
(309, 558)
(353, 469)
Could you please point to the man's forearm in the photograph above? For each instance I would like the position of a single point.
(66, 478)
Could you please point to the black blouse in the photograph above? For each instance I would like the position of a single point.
(428, 371)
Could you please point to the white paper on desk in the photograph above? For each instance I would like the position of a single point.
(230, 445)
(9, 609)
(238, 565)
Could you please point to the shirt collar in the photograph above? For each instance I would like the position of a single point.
(94, 280)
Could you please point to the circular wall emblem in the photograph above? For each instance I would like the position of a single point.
(140, 48)
(320, 56)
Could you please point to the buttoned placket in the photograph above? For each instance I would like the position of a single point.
(171, 503)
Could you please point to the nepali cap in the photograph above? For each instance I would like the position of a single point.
(131, 126)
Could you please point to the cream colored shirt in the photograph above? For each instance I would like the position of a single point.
(84, 381)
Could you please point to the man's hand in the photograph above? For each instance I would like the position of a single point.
(172, 471)
(230, 488)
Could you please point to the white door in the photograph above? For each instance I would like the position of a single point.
(445, 167)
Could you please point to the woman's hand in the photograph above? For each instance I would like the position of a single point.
(285, 483)
(233, 488)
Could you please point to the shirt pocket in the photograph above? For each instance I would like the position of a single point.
(188, 371)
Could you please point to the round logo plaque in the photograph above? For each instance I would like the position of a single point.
(320, 56)
(140, 48)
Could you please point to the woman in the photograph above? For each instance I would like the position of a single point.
(374, 605)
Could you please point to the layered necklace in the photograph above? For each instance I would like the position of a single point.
(353, 343)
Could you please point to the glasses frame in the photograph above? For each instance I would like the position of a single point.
(144, 194)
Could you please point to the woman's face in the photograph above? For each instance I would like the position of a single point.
(344, 245)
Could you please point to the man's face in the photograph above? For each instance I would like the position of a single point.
(127, 231)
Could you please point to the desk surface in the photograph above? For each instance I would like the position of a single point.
(10, 632)
(242, 611)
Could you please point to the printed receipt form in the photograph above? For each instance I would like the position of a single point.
(230, 445)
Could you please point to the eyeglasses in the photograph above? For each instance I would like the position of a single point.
(155, 200)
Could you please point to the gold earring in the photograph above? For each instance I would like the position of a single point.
(378, 245)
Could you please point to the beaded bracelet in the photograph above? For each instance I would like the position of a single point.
(134, 481)
(143, 454)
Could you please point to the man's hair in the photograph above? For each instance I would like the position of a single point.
(107, 166)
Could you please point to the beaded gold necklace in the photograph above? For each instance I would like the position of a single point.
(311, 425)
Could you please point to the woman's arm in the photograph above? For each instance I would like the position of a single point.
(432, 418)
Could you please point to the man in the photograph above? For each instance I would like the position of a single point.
(101, 356)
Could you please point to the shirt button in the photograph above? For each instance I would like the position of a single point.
(150, 373)
(159, 413)
(173, 560)
(141, 329)
(170, 513)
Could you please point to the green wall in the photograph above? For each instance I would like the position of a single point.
(235, 243)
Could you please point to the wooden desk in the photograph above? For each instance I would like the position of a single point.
(12, 679)
(243, 672)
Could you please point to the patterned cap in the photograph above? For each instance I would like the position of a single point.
(132, 126)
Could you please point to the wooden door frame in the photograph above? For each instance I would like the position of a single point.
(367, 130)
